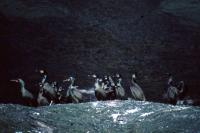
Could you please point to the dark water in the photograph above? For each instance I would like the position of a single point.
(94, 117)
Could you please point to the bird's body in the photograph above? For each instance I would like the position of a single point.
(173, 92)
(136, 91)
(49, 90)
(119, 90)
(100, 93)
(25, 93)
(110, 92)
(73, 94)
(41, 100)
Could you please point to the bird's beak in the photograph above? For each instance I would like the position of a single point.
(168, 74)
(14, 80)
(93, 76)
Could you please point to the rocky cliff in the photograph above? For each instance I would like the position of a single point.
(78, 38)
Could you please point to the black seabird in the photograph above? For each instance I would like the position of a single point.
(73, 94)
(119, 90)
(100, 92)
(26, 95)
(136, 90)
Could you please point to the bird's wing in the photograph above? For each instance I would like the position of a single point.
(137, 93)
(120, 91)
(28, 94)
(77, 94)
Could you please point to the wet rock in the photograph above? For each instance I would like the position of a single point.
(93, 117)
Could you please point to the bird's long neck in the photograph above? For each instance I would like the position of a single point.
(97, 85)
(22, 86)
(72, 84)
(44, 79)
(133, 81)
(119, 83)
(40, 92)
(170, 81)
(111, 81)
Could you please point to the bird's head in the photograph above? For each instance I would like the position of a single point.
(18, 81)
(69, 79)
(168, 74)
(100, 80)
(133, 76)
(117, 75)
(105, 77)
(41, 71)
(120, 79)
(94, 76)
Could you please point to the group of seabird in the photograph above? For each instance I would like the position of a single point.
(106, 88)
(110, 88)
(175, 93)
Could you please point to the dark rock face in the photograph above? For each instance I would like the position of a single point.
(80, 38)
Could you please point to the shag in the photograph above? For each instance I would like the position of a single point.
(41, 100)
(182, 89)
(73, 94)
(59, 94)
(26, 95)
(54, 85)
(136, 90)
(111, 92)
(119, 90)
(49, 89)
(172, 91)
(100, 93)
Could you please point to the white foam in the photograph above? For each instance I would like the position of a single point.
(115, 116)
(131, 111)
(112, 103)
(36, 113)
(146, 114)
